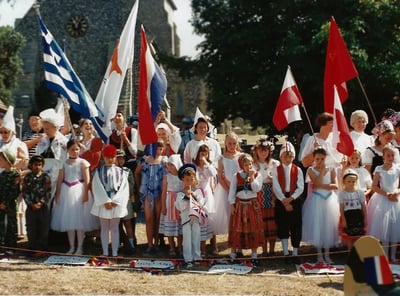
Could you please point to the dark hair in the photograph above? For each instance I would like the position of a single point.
(202, 148)
(387, 113)
(319, 150)
(323, 118)
(72, 143)
(201, 119)
(36, 158)
(33, 113)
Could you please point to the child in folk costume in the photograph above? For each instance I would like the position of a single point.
(264, 164)
(245, 226)
(152, 171)
(170, 223)
(206, 173)
(321, 208)
(70, 212)
(288, 186)
(227, 167)
(191, 204)
(383, 209)
(36, 191)
(9, 191)
(352, 208)
(111, 195)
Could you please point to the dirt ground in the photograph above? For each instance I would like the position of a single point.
(26, 274)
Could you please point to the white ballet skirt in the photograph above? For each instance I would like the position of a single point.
(383, 214)
(170, 224)
(321, 216)
(71, 213)
(206, 178)
(222, 206)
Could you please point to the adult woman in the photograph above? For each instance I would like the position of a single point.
(322, 139)
(201, 127)
(359, 121)
(90, 145)
(124, 137)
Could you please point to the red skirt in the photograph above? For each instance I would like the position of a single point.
(246, 225)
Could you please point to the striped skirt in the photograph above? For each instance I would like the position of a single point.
(246, 225)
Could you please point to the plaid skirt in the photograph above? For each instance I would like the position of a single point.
(246, 225)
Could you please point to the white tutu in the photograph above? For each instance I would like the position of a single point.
(222, 211)
(321, 219)
(383, 214)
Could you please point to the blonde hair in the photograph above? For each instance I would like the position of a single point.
(235, 137)
(357, 115)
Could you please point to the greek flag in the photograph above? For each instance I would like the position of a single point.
(62, 79)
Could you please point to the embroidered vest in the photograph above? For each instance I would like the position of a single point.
(116, 141)
(241, 183)
(293, 178)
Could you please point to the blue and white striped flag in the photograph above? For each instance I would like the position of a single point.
(61, 78)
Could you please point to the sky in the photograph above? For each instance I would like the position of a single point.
(18, 8)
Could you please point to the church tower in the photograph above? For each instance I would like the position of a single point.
(87, 31)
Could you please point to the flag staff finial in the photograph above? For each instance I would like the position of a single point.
(36, 7)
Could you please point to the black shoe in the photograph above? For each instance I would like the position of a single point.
(288, 259)
(296, 260)
(239, 255)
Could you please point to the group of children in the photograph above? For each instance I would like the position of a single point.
(255, 199)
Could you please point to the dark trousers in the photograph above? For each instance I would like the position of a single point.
(8, 226)
(37, 227)
(289, 223)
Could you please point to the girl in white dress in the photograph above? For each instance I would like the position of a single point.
(321, 208)
(227, 167)
(111, 195)
(69, 212)
(170, 222)
(383, 209)
(206, 173)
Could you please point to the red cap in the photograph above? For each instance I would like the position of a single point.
(109, 151)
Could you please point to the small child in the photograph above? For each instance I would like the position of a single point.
(111, 195)
(364, 177)
(70, 212)
(36, 191)
(352, 208)
(128, 223)
(191, 204)
(265, 165)
(288, 186)
(383, 209)
(321, 208)
(206, 172)
(9, 191)
(246, 225)
(170, 223)
(152, 171)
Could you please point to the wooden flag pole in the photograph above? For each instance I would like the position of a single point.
(366, 98)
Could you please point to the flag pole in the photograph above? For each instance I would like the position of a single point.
(366, 98)
(308, 118)
(66, 113)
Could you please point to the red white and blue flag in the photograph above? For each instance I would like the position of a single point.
(152, 90)
(377, 271)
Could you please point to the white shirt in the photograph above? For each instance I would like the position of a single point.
(276, 186)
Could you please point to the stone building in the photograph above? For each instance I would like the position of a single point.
(87, 31)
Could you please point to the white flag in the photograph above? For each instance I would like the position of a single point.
(121, 60)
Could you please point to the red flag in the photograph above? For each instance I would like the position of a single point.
(287, 109)
(152, 90)
(341, 134)
(338, 67)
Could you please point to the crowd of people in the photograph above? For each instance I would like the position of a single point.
(191, 190)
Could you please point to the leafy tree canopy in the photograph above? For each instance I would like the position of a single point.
(10, 62)
(248, 45)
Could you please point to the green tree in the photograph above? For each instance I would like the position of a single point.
(10, 62)
(248, 45)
